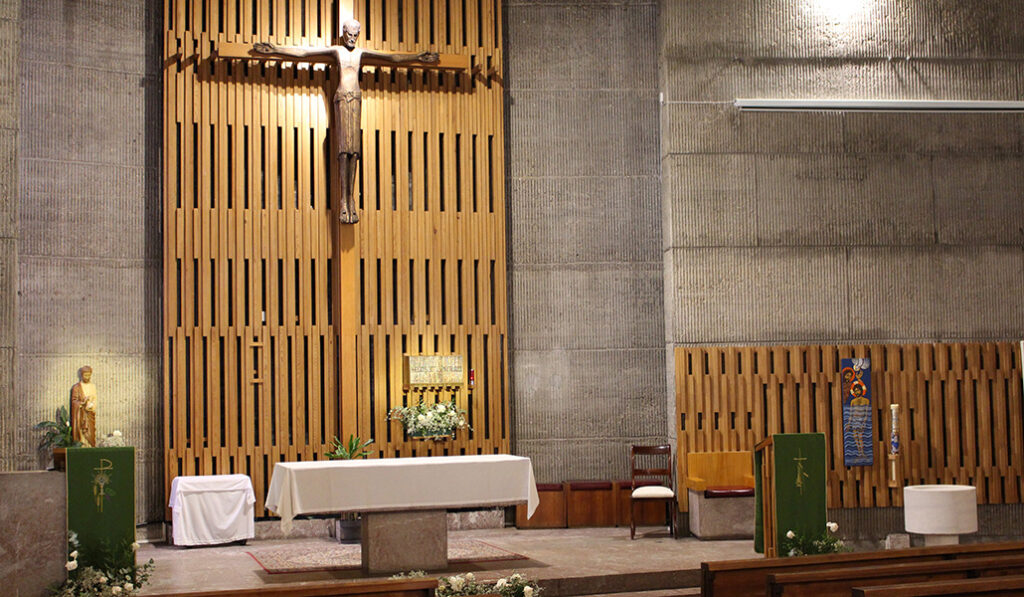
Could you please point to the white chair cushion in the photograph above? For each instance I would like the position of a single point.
(653, 491)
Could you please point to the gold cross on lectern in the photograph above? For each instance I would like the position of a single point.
(801, 474)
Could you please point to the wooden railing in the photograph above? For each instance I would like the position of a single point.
(961, 412)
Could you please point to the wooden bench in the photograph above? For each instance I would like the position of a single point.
(840, 581)
(736, 578)
(975, 587)
(412, 587)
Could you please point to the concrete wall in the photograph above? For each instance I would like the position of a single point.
(587, 356)
(89, 226)
(849, 228)
(10, 15)
(34, 540)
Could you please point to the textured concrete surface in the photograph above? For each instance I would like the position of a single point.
(584, 234)
(34, 523)
(89, 225)
(10, 15)
(837, 227)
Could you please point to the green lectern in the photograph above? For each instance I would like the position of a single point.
(789, 488)
(101, 505)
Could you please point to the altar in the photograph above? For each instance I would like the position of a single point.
(403, 501)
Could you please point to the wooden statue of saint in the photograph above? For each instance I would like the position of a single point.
(347, 136)
(83, 409)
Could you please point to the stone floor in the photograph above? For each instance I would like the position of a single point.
(564, 561)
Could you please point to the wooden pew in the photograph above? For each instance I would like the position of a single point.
(411, 587)
(1002, 586)
(739, 578)
(839, 582)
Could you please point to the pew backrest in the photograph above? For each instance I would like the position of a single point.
(739, 578)
(838, 582)
(1001, 586)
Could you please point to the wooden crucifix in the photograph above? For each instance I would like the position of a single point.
(347, 137)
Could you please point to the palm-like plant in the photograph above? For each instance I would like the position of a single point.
(57, 433)
(355, 448)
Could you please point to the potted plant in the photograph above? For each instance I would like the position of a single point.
(348, 524)
(430, 421)
(57, 434)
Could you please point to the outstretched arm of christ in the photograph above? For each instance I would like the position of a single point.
(375, 58)
(272, 51)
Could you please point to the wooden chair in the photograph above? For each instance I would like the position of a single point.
(646, 463)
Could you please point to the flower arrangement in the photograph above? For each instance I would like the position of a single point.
(115, 439)
(87, 581)
(515, 585)
(798, 545)
(430, 420)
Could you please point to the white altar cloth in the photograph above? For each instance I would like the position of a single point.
(398, 484)
(212, 509)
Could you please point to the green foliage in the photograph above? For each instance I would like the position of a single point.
(57, 433)
(796, 544)
(355, 448)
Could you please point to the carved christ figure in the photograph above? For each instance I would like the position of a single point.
(347, 103)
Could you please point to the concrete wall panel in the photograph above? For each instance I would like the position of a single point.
(617, 137)
(622, 208)
(715, 202)
(933, 133)
(587, 324)
(749, 295)
(983, 208)
(788, 28)
(939, 293)
(587, 306)
(708, 128)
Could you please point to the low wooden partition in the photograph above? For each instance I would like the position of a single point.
(590, 504)
(740, 578)
(550, 513)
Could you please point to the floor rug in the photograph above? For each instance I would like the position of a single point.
(320, 557)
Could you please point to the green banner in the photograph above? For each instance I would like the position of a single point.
(101, 505)
(758, 509)
(799, 484)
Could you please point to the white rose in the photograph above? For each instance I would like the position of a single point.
(116, 433)
(470, 577)
(129, 586)
(832, 526)
(501, 583)
(421, 418)
(527, 591)
(71, 565)
(456, 582)
(73, 555)
(790, 535)
(135, 546)
(103, 579)
(441, 407)
(115, 590)
(516, 577)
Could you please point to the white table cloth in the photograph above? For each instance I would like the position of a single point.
(212, 509)
(394, 484)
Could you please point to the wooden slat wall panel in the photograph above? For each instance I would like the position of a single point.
(257, 370)
(960, 418)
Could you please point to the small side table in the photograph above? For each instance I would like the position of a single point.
(212, 509)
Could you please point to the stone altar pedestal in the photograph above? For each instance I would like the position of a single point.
(402, 541)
